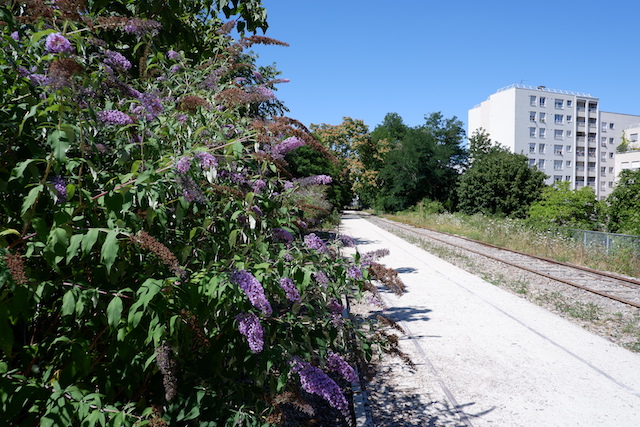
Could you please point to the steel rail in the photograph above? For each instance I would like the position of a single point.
(531, 270)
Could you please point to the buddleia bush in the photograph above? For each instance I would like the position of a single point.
(153, 268)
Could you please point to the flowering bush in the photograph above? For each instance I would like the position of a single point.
(152, 266)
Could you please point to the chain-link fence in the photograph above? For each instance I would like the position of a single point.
(611, 242)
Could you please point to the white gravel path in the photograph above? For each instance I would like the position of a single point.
(500, 359)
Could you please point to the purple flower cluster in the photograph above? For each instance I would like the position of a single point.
(339, 365)
(321, 278)
(183, 164)
(142, 27)
(290, 289)
(190, 190)
(264, 92)
(369, 257)
(347, 241)
(258, 185)
(315, 180)
(354, 272)
(35, 78)
(281, 235)
(207, 161)
(256, 210)
(334, 306)
(315, 381)
(249, 326)
(174, 56)
(16, 36)
(289, 144)
(57, 43)
(314, 242)
(61, 188)
(116, 60)
(114, 117)
(151, 104)
(253, 289)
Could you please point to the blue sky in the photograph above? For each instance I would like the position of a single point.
(364, 59)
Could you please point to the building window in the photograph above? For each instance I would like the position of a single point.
(532, 132)
(612, 126)
(532, 116)
(543, 101)
(569, 119)
(558, 134)
(603, 141)
(532, 162)
(557, 178)
(567, 163)
(567, 178)
(541, 164)
(541, 132)
(611, 140)
(532, 101)
(610, 184)
(557, 149)
(541, 148)
(569, 102)
(603, 126)
(603, 171)
(569, 148)
(633, 137)
(603, 157)
(542, 116)
(558, 119)
(557, 165)
(592, 152)
(532, 147)
(610, 169)
(568, 134)
(559, 103)
(611, 155)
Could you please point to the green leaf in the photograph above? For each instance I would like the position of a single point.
(40, 34)
(74, 245)
(31, 198)
(110, 249)
(114, 311)
(68, 303)
(18, 171)
(89, 240)
(59, 143)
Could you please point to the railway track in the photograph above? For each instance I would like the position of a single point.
(625, 290)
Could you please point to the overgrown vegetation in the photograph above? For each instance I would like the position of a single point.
(156, 265)
(520, 235)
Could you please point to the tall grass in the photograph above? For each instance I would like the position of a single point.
(518, 235)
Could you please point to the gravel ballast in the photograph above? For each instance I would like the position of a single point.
(484, 356)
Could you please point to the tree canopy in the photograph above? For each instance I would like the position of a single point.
(624, 204)
(561, 206)
(498, 182)
(424, 161)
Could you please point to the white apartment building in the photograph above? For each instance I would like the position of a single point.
(563, 133)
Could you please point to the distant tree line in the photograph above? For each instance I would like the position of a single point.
(396, 166)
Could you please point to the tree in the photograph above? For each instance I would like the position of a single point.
(361, 154)
(499, 182)
(480, 144)
(562, 206)
(623, 213)
(424, 162)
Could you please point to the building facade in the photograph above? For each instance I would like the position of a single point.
(562, 133)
